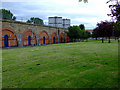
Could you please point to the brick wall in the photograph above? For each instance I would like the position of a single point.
(56, 38)
(61, 38)
(12, 38)
(23, 34)
(25, 37)
(43, 34)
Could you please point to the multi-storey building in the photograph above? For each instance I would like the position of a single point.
(58, 22)
(55, 21)
(66, 23)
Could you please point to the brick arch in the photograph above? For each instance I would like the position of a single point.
(42, 35)
(56, 38)
(67, 38)
(25, 36)
(12, 37)
(61, 37)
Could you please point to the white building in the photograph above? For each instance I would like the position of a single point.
(55, 21)
(66, 23)
(58, 22)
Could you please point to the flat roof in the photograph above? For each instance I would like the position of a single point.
(54, 17)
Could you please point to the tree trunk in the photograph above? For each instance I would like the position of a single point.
(71, 39)
(96, 38)
(109, 40)
(102, 40)
(118, 40)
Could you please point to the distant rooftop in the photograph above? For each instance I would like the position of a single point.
(89, 29)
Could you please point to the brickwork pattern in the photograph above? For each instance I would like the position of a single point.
(61, 38)
(43, 34)
(54, 35)
(23, 34)
(12, 38)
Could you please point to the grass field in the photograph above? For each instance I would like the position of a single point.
(89, 64)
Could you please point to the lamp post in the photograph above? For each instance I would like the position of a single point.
(64, 37)
(32, 31)
(58, 34)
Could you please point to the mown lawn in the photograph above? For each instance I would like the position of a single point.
(89, 64)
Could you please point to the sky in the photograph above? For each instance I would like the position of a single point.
(88, 14)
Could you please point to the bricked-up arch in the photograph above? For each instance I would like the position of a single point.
(12, 39)
(67, 38)
(28, 38)
(61, 38)
(54, 37)
(43, 38)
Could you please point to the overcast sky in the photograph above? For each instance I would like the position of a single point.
(80, 13)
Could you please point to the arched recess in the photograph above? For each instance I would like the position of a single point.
(43, 38)
(61, 38)
(54, 38)
(8, 38)
(28, 38)
(67, 38)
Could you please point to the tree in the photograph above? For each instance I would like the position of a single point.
(75, 32)
(115, 15)
(95, 33)
(108, 29)
(104, 29)
(85, 1)
(116, 29)
(115, 10)
(6, 14)
(82, 27)
(86, 35)
(101, 31)
(35, 21)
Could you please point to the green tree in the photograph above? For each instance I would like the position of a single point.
(75, 33)
(85, 1)
(35, 21)
(6, 14)
(85, 35)
(82, 27)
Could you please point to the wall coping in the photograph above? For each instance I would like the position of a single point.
(19, 22)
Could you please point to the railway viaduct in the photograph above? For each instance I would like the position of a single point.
(19, 34)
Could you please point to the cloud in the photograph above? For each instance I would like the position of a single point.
(80, 13)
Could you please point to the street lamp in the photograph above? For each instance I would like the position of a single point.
(32, 32)
(58, 34)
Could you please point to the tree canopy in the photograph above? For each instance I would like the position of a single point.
(85, 1)
(35, 20)
(115, 15)
(6, 14)
(104, 29)
(108, 29)
(82, 27)
(74, 32)
(115, 10)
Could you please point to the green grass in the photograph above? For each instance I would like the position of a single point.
(89, 64)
